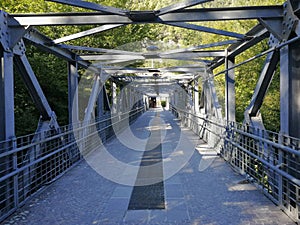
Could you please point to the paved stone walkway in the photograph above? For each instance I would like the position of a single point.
(203, 189)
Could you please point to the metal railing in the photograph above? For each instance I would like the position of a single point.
(29, 163)
(270, 160)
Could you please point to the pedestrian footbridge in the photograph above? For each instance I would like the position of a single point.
(152, 145)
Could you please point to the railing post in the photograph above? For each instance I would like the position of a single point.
(280, 161)
(16, 180)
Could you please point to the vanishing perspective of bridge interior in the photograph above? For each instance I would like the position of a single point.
(270, 160)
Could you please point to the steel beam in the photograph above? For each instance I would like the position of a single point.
(210, 45)
(180, 5)
(86, 33)
(193, 54)
(73, 79)
(290, 90)
(191, 69)
(217, 14)
(274, 27)
(66, 19)
(97, 50)
(186, 15)
(109, 57)
(101, 64)
(113, 86)
(7, 121)
(206, 29)
(92, 6)
(41, 41)
(263, 83)
(258, 33)
(181, 56)
(196, 96)
(89, 111)
(100, 103)
(229, 90)
(35, 90)
(296, 7)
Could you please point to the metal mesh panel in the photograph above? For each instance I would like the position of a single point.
(269, 160)
(29, 163)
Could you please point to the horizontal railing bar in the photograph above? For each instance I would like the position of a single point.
(275, 168)
(18, 170)
(276, 145)
(59, 135)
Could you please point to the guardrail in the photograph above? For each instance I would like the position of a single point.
(270, 160)
(29, 163)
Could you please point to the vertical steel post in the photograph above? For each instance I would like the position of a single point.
(229, 90)
(7, 120)
(196, 96)
(284, 90)
(114, 96)
(73, 92)
(290, 90)
(100, 105)
(7, 128)
(290, 106)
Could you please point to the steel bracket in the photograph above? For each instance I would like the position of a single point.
(289, 22)
(4, 32)
(19, 48)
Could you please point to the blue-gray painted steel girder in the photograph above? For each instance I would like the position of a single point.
(7, 127)
(33, 86)
(86, 33)
(210, 45)
(258, 33)
(186, 15)
(181, 56)
(92, 6)
(263, 83)
(216, 14)
(206, 29)
(194, 54)
(97, 50)
(40, 40)
(110, 57)
(180, 5)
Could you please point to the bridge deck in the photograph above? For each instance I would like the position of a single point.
(204, 191)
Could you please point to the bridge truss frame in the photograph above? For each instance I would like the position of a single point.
(278, 23)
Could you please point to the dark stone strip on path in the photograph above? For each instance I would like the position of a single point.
(150, 196)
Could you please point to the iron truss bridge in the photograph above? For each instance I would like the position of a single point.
(270, 159)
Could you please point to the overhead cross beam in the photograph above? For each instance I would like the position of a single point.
(92, 6)
(86, 33)
(180, 5)
(40, 40)
(182, 56)
(256, 35)
(206, 29)
(97, 50)
(204, 46)
(186, 15)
